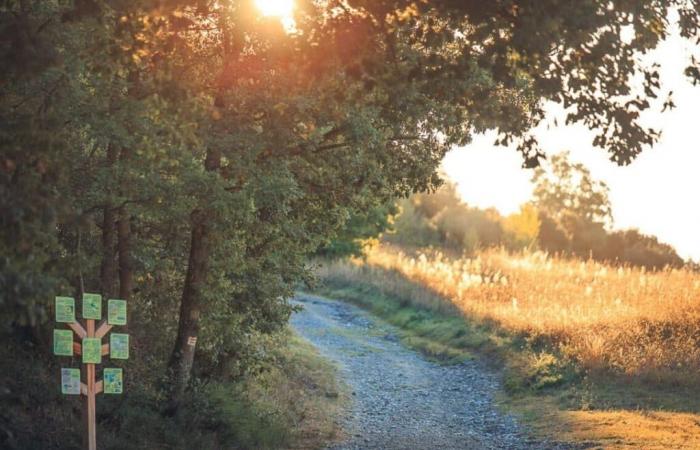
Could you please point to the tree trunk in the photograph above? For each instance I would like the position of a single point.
(182, 358)
(108, 266)
(126, 269)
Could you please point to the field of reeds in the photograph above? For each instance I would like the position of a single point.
(621, 320)
(592, 354)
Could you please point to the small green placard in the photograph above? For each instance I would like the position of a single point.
(63, 342)
(65, 309)
(116, 312)
(119, 346)
(92, 306)
(92, 351)
(70, 381)
(113, 381)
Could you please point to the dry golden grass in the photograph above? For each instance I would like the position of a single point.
(625, 320)
(615, 429)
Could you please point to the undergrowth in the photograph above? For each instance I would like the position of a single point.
(293, 403)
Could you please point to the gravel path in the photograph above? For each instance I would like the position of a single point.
(401, 400)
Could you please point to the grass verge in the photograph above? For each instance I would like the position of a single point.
(547, 390)
(294, 405)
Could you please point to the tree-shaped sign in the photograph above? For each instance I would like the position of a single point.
(91, 350)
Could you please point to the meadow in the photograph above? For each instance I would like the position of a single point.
(590, 351)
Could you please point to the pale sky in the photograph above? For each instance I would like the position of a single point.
(659, 193)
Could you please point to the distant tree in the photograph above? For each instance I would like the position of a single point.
(575, 215)
(430, 204)
(633, 247)
(573, 205)
(411, 228)
(565, 189)
(442, 218)
(551, 237)
(466, 228)
(522, 228)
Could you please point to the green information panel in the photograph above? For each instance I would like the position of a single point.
(92, 351)
(70, 381)
(113, 381)
(119, 346)
(65, 309)
(116, 312)
(63, 342)
(92, 306)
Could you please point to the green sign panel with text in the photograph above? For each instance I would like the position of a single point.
(119, 346)
(63, 342)
(65, 309)
(70, 381)
(116, 312)
(113, 381)
(92, 306)
(92, 351)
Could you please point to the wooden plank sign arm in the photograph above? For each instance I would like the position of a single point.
(102, 329)
(77, 329)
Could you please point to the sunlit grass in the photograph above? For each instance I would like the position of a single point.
(624, 320)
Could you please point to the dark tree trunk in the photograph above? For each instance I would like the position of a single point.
(126, 270)
(182, 357)
(108, 268)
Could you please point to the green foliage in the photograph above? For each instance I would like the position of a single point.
(358, 229)
(307, 127)
(411, 227)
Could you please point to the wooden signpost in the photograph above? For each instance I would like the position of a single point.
(91, 350)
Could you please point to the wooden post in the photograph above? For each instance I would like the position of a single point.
(118, 348)
(90, 406)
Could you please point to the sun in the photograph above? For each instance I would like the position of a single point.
(277, 8)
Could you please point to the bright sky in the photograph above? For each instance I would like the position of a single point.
(659, 193)
(279, 8)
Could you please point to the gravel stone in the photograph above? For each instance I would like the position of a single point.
(401, 400)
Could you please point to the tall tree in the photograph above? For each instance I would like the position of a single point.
(574, 208)
(567, 189)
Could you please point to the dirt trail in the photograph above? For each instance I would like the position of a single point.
(400, 399)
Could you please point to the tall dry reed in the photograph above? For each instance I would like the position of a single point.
(620, 319)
